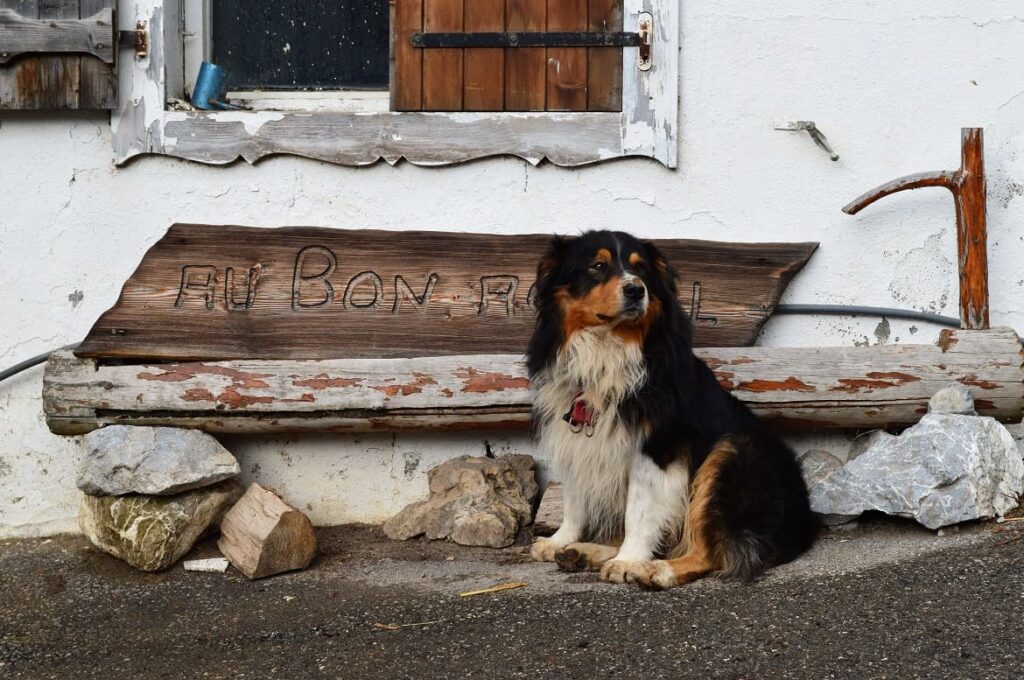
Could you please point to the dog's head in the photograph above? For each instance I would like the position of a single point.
(604, 279)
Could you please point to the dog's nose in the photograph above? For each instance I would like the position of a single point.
(634, 292)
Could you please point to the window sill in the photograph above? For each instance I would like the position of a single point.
(335, 101)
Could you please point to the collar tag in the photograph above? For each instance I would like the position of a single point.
(581, 415)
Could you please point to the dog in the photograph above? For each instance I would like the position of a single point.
(667, 477)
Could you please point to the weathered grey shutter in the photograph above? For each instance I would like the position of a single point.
(57, 54)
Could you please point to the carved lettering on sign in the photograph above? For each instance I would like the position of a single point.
(216, 292)
(502, 288)
(197, 280)
(358, 280)
(403, 291)
(325, 294)
(230, 298)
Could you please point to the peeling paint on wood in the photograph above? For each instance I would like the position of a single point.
(888, 385)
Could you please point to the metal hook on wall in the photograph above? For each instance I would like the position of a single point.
(814, 132)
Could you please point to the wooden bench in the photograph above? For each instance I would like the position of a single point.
(232, 329)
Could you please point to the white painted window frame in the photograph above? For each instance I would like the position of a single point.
(144, 124)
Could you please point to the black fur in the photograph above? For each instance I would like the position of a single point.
(760, 501)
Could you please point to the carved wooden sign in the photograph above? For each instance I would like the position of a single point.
(224, 292)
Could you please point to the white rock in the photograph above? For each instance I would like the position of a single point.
(213, 565)
(954, 399)
(944, 470)
(158, 461)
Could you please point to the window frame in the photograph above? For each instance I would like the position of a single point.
(144, 124)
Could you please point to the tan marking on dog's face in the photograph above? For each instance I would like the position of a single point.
(598, 307)
(635, 260)
(635, 330)
(604, 255)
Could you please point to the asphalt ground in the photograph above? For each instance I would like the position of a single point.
(882, 600)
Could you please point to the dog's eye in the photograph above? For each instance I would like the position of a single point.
(600, 267)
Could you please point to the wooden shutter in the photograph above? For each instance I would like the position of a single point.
(57, 54)
(506, 79)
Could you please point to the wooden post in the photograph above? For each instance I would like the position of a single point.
(969, 195)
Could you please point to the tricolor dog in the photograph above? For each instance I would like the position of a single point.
(667, 476)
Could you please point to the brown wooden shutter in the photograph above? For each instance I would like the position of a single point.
(57, 54)
(506, 79)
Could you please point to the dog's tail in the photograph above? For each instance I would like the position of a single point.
(748, 511)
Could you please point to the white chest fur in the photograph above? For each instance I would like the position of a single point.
(594, 469)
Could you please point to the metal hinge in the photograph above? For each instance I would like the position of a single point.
(137, 39)
(640, 39)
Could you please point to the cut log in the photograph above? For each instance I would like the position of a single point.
(549, 513)
(815, 387)
(261, 535)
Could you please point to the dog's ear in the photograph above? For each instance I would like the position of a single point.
(662, 268)
(552, 258)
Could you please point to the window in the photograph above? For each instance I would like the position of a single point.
(353, 82)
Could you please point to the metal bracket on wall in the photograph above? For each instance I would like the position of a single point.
(451, 40)
(137, 39)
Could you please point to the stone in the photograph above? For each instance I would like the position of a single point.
(1017, 432)
(549, 512)
(946, 469)
(121, 460)
(473, 501)
(817, 466)
(955, 399)
(153, 532)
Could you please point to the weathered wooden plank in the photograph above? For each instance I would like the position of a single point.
(567, 66)
(221, 292)
(361, 139)
(58, 75)
(97, 80)
(604, 70)
(526, 68)
(814, 387)
(407, 69)
(60, 35)
(484, 85)
(442, 68)
(19, 80)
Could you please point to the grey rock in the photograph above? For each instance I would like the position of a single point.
(122, 460)
(946, 469)
(1017, 432)
(864, 442)
(153, 532)
(955, 399)
(473, 501)
(817, 466)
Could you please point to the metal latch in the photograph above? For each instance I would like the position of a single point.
(640, 39)
(137, 39)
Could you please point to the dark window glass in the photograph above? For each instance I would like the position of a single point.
(303, 44)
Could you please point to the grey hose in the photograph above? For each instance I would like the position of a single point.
(29, 363)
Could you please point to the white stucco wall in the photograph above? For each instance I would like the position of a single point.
(890, 83)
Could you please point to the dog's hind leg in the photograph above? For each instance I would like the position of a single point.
(702, 546)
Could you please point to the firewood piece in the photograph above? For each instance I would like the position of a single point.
(262, 535)
(549, 514)
(969, 196)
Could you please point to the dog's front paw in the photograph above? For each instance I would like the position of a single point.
(544, 550)
(627, 571)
